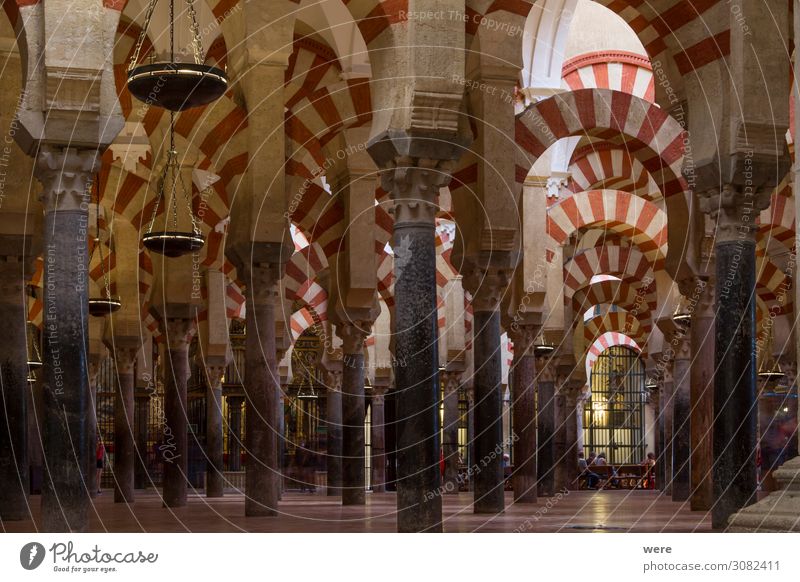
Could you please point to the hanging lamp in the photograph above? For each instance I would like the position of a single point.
(173, 85)
(542, 348)
(105, 303)
(172, 242)
(682, 315)
(771, 371)
(34, 353)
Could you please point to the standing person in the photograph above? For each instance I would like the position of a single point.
(650, 471)
(100, 456)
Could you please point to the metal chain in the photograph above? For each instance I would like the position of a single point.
(197, 42)
(99, 246)
(142, 35)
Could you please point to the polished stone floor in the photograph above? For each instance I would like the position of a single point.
(583, 511)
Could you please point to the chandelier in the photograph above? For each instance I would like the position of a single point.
(172, 242)
(174, 85)
(105, 303)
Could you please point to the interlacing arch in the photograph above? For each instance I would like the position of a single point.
(625, 262)
(623, 213)
(603, 166)
(640, 301)
(605, 341)
(618, 70)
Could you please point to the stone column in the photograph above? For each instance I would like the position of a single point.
(354, 481)
(235, 404)
(414, 185)
(14, 468)
(486, 284)
(174, 448)
(668, 386)
(141, 478)
(702, 398)
(560, 476)
(735, 209)
(546, 427)
(681, 415)
(124, 451)
(333, 381)
(215, 483)
(451, 382)
(378, 439)
(523, 402)
(572, 400)
(97, 353)
(261, 383)
(66, 179)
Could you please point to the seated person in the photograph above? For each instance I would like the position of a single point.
(592, 478)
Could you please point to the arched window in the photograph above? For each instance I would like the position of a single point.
(614, 412)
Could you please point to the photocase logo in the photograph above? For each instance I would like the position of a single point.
(31, 555)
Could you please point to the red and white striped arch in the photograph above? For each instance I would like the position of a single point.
(639, 301)
(627, 263)
(643, 128)
(618, 70)
(602, 166)
(618, 321)
(605, 341)
(620, 212)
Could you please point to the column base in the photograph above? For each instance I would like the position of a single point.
(778, 512)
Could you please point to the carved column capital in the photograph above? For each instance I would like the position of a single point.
(214, 374)
(263, 283)
(178, 332)
(735, 209)
(333, 380)
(125, 358)
(523, 337)
(486, 283)
(414, 186)
(66, 175)
(353, 335)
(451, 382)
(545, 371)
(572, 390)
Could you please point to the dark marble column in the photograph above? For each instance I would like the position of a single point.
(378, 424)
(702, 399)
(414, 190)
(735, 209)
(523, 402)
(354, 481)
(573, 401)
(451, 382)
(91, 422)
(560, 476)
(546, 427)
(735, 414)
(14, 467)
(235, 404)
(262, 473)
(215, 483)
(681, 416)
(658, 435)
(124, 451)
(141, 478)
(666, 412)
(174, 447)
(333, 382)
(65, 175)
(488, 478)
